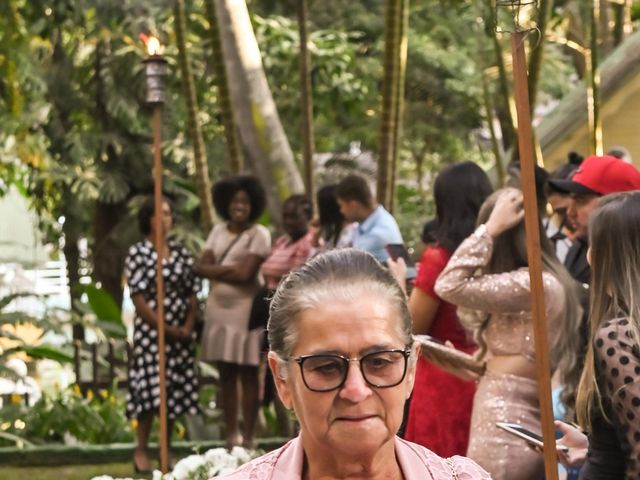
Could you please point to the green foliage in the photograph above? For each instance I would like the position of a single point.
(341, 90)
(15, 344)
(96, 418)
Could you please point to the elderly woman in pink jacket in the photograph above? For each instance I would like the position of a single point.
(343, 359)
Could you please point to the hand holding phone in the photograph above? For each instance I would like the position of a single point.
(527, 435)
(398, 250)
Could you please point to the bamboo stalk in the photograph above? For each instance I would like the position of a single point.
(306, 101)
(525, 143)
(159, 241)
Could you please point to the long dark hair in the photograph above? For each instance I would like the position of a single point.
(459, 191)
(329, 216)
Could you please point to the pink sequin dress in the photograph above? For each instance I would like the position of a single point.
(500, 397)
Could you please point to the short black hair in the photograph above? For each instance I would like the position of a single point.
(355, 187)
(301, 202)
(459, 191)
(146, 212)
(563, 172)
(224, 190)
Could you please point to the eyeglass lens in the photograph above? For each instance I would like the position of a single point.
(328, 372)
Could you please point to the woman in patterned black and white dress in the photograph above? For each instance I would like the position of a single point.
(180, 307)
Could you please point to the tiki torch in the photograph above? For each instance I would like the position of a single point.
(155, 71)
(521, 15)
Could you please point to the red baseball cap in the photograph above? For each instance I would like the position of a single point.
(600, 176)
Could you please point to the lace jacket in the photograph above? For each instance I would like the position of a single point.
(415, 461)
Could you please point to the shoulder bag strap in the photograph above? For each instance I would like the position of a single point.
(229, 247)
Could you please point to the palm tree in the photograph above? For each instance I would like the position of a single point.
(236, 162)
(261, 133)
(203, 183)
(306, 100)
(401, 76)
(389, 118)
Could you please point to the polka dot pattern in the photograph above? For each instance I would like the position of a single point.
(180, 283)
(618, 377)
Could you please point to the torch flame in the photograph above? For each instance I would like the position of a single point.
(152, 43)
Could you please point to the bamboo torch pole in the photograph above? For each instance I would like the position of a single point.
(532, 226)
(156, 69)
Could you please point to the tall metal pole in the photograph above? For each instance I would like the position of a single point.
(156, 70)
(159, 241)
(531, 219)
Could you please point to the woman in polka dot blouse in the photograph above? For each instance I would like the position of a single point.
(608, 403)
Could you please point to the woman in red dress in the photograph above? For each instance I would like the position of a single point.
(440, 408)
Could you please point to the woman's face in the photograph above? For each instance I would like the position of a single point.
(167, 219)
(240, 207)
(294, 221)
(356, 419)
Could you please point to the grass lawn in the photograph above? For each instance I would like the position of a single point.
(69, 472)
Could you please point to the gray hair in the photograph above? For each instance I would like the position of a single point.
(343, 274)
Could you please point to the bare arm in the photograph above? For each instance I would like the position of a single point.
(207, 267)
(423, 308)
(243, 272)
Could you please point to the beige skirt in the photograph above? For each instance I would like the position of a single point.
(226, 337)
(505, 398)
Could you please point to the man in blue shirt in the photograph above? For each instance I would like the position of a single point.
(377, 227)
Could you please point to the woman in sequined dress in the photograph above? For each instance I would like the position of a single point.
(500, 293)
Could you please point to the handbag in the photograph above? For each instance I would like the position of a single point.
(259, 314)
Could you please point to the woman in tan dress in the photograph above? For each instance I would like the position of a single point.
(231, 261)
(500, 294)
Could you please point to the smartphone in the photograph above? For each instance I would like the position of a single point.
(398, 250)
(527, 435)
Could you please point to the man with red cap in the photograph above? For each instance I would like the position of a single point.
(596, 176)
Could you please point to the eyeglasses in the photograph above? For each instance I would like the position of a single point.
(326, 372)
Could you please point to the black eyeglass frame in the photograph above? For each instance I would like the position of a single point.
(406, 353)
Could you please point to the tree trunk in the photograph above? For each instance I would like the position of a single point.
(537, 52)
(403, 41)
(108, 254)
(306, 101)
(203, 183)
(622, 21)
(393, 20)
(605, 37)
(505, 108)
(236, 162)
(261, 132)
(72, 230)
(593, 83)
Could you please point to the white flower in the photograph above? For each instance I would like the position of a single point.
(241, 454)
(216, 455)
(186, 467)
(157, 475)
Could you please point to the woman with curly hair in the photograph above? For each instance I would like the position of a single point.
(231, 261)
